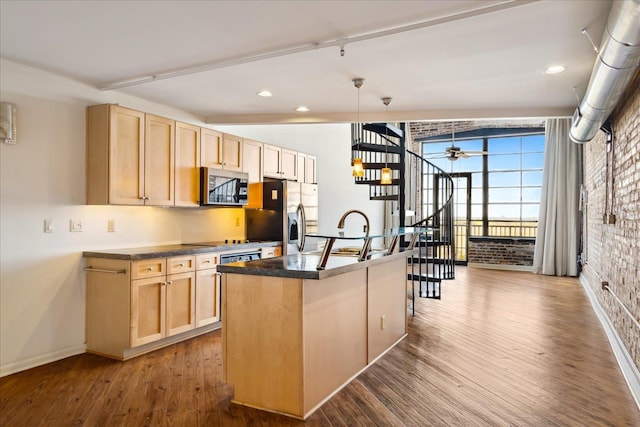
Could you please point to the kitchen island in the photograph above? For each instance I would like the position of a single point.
(295, 334)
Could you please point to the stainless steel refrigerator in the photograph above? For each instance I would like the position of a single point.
(289, 211)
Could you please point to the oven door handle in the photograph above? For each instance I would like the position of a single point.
(302, 231)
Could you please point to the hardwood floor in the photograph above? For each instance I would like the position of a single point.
(499, 349)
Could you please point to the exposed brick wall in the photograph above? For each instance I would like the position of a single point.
(612, 251)
(501, 251)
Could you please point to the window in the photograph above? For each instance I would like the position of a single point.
(506, 180)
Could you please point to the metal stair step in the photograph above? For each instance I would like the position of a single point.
(429, 260)
(380, 165)
(377, 182)
(383, 198)
(377, 148)
(384, 129)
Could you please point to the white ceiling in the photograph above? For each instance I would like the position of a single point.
(464, 59)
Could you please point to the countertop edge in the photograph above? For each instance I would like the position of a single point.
(167, 251)
(259, 267)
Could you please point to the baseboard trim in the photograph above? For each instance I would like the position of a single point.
(23, 365)
(629, 370)
(501, 266)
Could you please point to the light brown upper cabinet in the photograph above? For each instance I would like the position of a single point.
(252, 160)
(159, 160)
(306, 168)
(187, 177)
(280, 162)
(220, 150)
(130, 157)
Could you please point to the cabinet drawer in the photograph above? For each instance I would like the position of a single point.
(148, 268)
(180, 264)
(206, 261)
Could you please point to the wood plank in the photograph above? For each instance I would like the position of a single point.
(500, 348)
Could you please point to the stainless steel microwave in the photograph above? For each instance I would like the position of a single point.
(223, 188)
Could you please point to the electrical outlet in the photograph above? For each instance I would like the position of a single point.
(76, 225)
(605, 285)
(611, 219)
(49, 226)
(605, 219)
(111, 225)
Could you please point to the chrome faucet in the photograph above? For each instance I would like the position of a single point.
(347, 213)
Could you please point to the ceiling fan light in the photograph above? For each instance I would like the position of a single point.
(385, 176)
(357, 169)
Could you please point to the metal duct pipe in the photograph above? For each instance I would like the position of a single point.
(617, 62)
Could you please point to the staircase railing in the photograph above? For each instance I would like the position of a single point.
(421, 195)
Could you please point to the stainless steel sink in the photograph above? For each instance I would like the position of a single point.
(354, 251)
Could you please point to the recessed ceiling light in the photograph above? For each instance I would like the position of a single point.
(302, 109)
(265, 93)
(554, 69)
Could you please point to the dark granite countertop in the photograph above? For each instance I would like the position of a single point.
(303, 266)
(165, 251)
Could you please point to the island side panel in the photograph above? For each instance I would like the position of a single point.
(387, 299)
(262, 338)
(335, 334)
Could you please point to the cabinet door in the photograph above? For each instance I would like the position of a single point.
(159, 161)
(271, 161)
(207, 297)
(310, 170)
(148, 300)
(210, 148)
(231, 152)
(180, 300)
(289, 164)
(187, 176)
(302, 166)
(252, 160)
(126, 156)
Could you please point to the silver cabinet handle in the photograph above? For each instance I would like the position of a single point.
(102, 270)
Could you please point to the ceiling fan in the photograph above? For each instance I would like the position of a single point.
(454, 153)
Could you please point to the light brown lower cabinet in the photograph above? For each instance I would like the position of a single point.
(134, 307)
(207, 290)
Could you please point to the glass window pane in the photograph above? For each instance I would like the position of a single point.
(476, 180)
(531, 194)
(476, 195)
(531, 179)
(470, 144)
(504, 195)
(533, 161)
(504, 145)
(504, 179)
(533, 143)
(504, 212)
(468, 164)
(504, 162)
(476, 212)
(530, 212)
(435, 148)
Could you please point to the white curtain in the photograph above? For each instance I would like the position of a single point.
(558, 235)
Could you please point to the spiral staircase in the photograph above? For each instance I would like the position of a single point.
(420, 194)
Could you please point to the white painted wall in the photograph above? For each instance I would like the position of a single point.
(42, 286)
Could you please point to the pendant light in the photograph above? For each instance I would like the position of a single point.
(357, 167)
(385, 175)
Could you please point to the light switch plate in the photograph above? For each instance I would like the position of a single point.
(76, 225)
(49, 226)
(111, 225)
